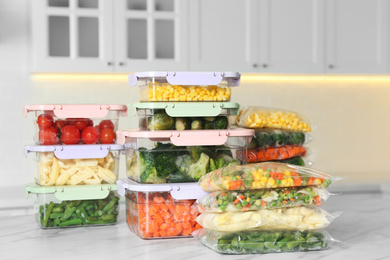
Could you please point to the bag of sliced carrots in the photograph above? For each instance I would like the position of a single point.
(158, 215)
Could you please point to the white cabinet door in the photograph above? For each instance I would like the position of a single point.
(356, 36)
(291, 36)
(72, 35)
(150, 35)
(222, 35)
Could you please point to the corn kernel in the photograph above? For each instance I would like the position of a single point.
(287, 173)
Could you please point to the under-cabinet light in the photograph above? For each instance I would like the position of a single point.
(245, 77)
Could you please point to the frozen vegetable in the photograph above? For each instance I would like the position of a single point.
(54, 171)
(263, 175)
(294, 160)
(161, 121)
(158, 215)
(262, 117)
(183, 123)
(274, 153)
(262, 242)
(169, 163)
(221, 201)
(265, 138)
(293, 218)
(79, 212)
(167, 92)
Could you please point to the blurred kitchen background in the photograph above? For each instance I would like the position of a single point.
(327, 60)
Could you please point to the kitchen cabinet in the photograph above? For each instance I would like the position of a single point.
(223, 35)
(109, 36)
(291, 35)
(356, 36)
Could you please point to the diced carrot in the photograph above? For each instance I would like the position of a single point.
(260, 155)
(147, 235)
(179, 228)
(294, 174)
(273, 174)
(297, 182)
(158, 200)
(317, 198)
(280, 176)
(234, 185)
(292, 199)
(141, 214)
(262, 203)
(284, 202)
(163, 233)
(240, 198)
(171, 232)
(310, 181)
(163, 208)
(186, 232)
(164, 226)
(158, 218)
(251, 156)
(284, 155)
(187, 225)
(156, 234)
(317, 203)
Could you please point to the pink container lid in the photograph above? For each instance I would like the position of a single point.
(187, 137)
(78, 111)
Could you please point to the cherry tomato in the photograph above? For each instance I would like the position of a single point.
(106, 124)
(49, 136)
(70, 134)
(90, 135)
(45, 121)
(60, 123)
(107, 136)
(81, 123)
(89, 122)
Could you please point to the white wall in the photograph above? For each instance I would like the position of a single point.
(351, 117)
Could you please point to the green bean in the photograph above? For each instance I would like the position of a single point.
(71, 222)
(47, 213)
(111, 204)
(56, 215)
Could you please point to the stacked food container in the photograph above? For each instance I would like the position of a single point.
(77, 164)
(266, 207)
(184, 134)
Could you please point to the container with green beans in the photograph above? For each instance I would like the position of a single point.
(63, 206)
(222, 201)
(262, 242)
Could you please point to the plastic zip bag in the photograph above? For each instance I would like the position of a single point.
(266, 137)
(236, 201)
(263, 117)
(294, 218)
(263, 175)
(263, 242)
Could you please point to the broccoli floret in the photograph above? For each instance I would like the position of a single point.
(184, 162)
(224, 160)
(161, 121)
(200, 168)
(148, 173)
(213, 167)
(196, 151)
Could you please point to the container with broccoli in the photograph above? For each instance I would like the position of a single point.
(153, 158)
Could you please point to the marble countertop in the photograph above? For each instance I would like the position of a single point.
(363, 228)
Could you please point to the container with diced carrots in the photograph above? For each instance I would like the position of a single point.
(159, 215)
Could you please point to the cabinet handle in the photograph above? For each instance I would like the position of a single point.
(331, 66)
(122, 64)
(109, 63)
(265, 65)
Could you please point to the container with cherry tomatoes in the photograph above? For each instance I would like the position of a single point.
(75, 124)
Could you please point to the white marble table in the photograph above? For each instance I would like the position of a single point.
(364, 228)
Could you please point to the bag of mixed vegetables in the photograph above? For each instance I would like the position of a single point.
(235, 201)
(263, 175)
(262, 117)
(293, 218)
(262, 242)
(274, 153)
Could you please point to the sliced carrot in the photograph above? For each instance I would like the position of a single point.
(267, 156)
(251, 157)
(284, 155)
(260, 154)
(240, 198)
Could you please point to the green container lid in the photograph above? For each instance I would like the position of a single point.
(191, 109)
(76, 192)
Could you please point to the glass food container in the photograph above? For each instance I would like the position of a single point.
(76, 164)
(74, 206)
(170, 86)
(185, 116)
(181, 156)
(156, 211)
(75, 124)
